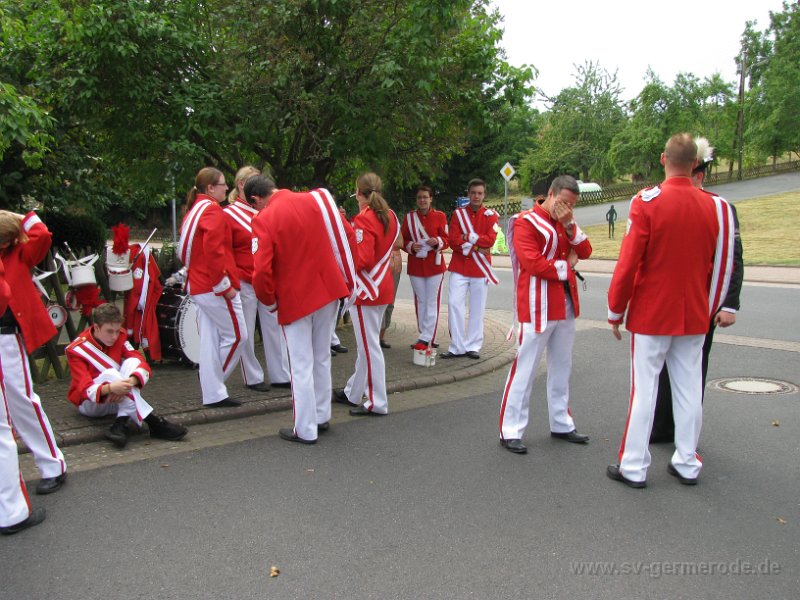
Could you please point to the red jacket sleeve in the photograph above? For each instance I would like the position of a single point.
(263, 280)
(143, 371)
(213, 224)
(488, 236)
(81, 386)
(39, 240)
(634, 245)
(528, 248)
(364, 257)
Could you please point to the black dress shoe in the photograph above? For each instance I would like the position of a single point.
(340, 397)
(515, 446)
(117, 434)
(283, 384)
(323, 427)
(162, 429)
(227, 402)
(363, 411)
(613, 473)
(36, 516)
(571, 436)
(259, 387)
(384, 344)
(472, 354)
(48, 485)
(333, 352)
(450, 355)
(339, 349)
(288, 435)
(684, 480)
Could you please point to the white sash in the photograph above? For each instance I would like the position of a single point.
(189, 229)
(481, 259)
(420, 236)
(368, 282)
(96, 357)
(338, 240)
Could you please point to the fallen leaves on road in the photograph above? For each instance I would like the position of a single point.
(165, 466)
(274, 571)
(781, 521)
(776, 423)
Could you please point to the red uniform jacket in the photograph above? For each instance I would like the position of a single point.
(294, 261)
(373, 252)
(142, 325)
(675, 262)
(5, 291)
(87, 358)
(435, 226)
(539, 251)
(484, 222)
(206, 248)
(240, 215)
(26, 301)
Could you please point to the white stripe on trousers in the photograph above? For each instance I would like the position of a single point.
(683, 355)
(309, 344)
(25, 408)
(223, 332)
(14, 505)
(462, 341)
(557, 338)
(427, 295)
(134, 407)
(369, 377)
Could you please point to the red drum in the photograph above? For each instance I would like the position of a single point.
(177, 325)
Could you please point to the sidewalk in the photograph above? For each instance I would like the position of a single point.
(174, 390)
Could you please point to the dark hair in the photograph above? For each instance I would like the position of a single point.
(425, 188)
(106, 313)
(475, 183)
(564, 182)
(258, 185)
(371, 187)
(207, 176)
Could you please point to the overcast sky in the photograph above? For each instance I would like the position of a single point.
(697, 36)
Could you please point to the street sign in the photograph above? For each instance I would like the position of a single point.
(507, 171)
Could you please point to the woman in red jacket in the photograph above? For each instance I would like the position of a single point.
(206, 248)
(376, 229)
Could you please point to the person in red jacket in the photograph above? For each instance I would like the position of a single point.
(24, 326)
(473, 231)
(376, 230)
(15, 510)
(425, 236)
(545, 244)
(107, 378)
(302, 266)
(206, 249)
(672, 275)
(240, 211)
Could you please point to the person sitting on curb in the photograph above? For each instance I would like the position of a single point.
(107, 376)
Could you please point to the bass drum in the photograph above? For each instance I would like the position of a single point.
(177, 325)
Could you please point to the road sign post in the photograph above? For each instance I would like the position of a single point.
(507, 172)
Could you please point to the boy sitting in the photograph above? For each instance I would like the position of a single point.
(107, 374)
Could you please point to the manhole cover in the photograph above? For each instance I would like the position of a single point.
(754, 385)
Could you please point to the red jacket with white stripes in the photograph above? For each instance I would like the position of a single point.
(541, 247)
(484, 222)
(675, 262)
(26, 301)
(211, 266)
(240, 215)
(435, 225)
(142, 325)
(87, 358)
(294, 263)
(5, 291)
(372, 246)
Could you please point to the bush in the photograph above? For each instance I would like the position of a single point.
(80, 231)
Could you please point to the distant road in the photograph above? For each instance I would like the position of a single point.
(739, 190)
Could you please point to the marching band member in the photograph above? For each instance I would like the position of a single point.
(206, 249)
(107, 376)
(241, 211)
(302, 266)
(473, 230)
(376, 230)
(425, 236)
(24, 326)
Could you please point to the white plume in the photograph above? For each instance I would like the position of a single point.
(705, 152)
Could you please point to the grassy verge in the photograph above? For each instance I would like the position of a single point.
(768, 227)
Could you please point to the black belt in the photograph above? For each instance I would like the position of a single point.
(9, 330)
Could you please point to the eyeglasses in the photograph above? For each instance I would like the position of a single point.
(218, 184)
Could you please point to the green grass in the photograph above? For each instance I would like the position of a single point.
(768, 226)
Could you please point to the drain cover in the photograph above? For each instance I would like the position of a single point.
(754, 385)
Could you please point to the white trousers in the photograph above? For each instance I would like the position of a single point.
(683, 355)
(14, 506)
(25, 407)
(369, 377)
(275, 354)
(471, 340)
(309, 343)
(558, 338)
(223, 333)
(427, 302)
(133, 406)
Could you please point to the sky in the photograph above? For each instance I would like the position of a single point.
(678, 36)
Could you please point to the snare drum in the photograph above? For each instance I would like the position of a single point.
(177, 325)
